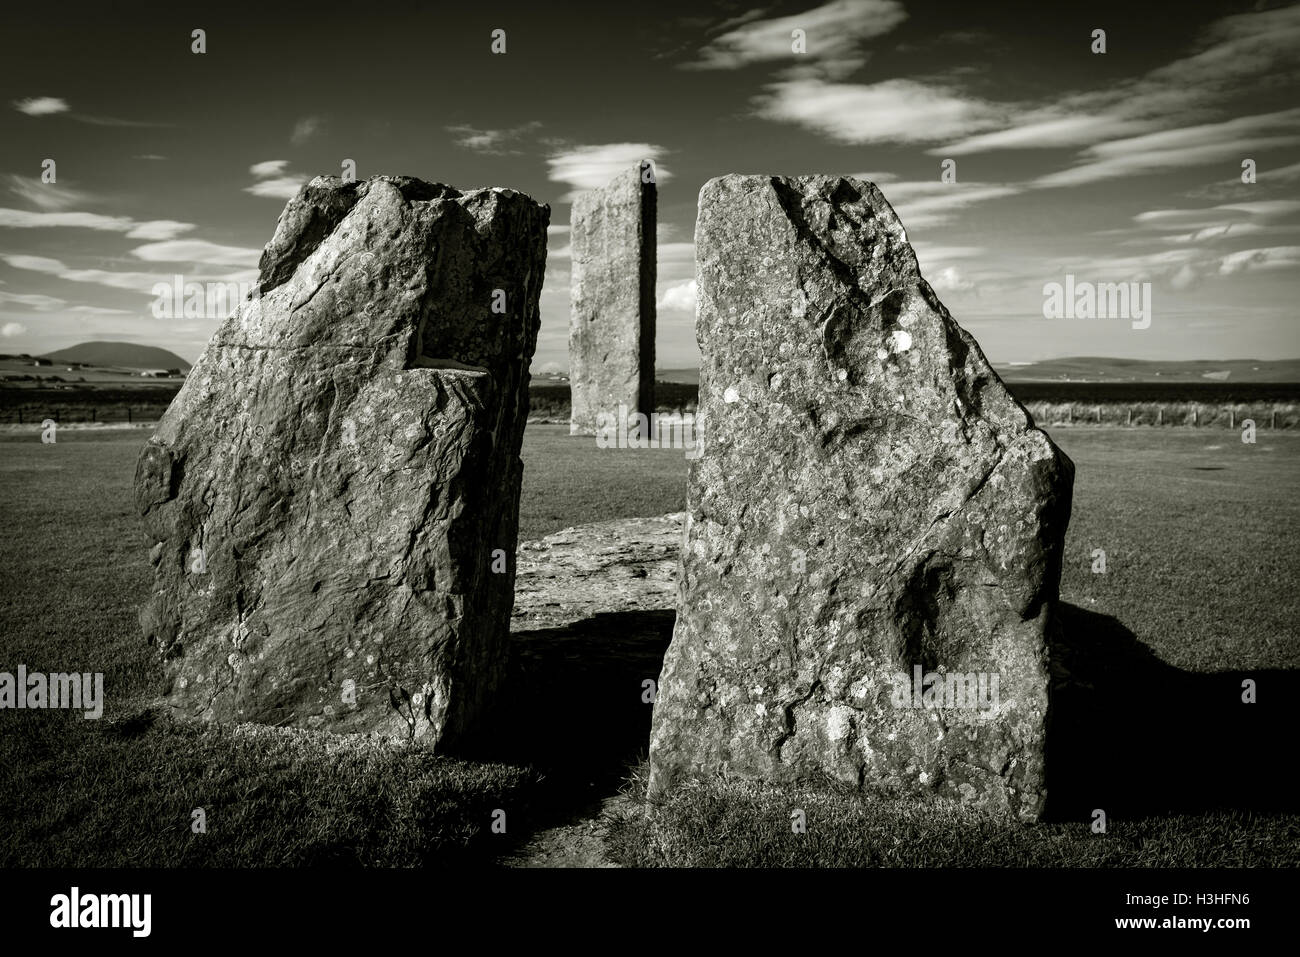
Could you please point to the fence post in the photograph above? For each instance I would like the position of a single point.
(1130, 415)
(1232, 418)
(1272, 420)
(1196, 416)
(1160, 416)
(1069, 415)
(1099, 415)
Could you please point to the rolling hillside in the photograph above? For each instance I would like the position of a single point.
(122, 355)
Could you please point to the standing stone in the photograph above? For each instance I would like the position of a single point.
(332, 487)
(871, 506)
(612, 322)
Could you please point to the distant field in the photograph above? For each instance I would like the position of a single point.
(122, 398)
(1201, 586)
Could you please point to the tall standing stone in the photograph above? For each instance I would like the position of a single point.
(874, 531)
(612, 320)
(333, 495)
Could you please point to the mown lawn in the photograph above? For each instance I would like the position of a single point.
(1201, 579)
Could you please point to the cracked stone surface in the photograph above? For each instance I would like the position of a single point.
(870, 500)
(325, 494)
(612, 292)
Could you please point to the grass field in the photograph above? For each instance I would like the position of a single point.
(1199, 591)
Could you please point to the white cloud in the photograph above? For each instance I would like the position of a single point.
(835, 36)
(159, 229)
(590, 167)
(892, 111)
(151, 229)
(1251, 260)
(1046, 129)
(274, 180)
(11, 329)
(24, 219)
(41, 105)
(140, 282)
(268, 168)
(681, 296)
(951, 280)
(197, 251)
(35, 301)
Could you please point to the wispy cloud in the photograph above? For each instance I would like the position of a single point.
(156, 229)
(1237, 52)
(679, 296)
(42, 303)
(491, 142)
(274, 180)
(53, 105)
(1250, 260)
(305, 129)
(41, 105)
(197, 251)
(924, 203)
(835, 37)
(590, 167)
(46, 196)
(140, 282)
(1178, 148)
(892, 111)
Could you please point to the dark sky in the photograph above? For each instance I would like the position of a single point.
(1115, 167)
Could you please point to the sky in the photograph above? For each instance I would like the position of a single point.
(1112, 167)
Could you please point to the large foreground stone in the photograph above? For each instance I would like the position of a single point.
(612, 288)
(872, 506)
(329, 489)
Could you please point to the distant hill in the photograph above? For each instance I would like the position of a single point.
(1102, 369)
(123, 355)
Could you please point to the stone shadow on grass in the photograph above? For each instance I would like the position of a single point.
(1134, 736)
(573, 707)
(573, 696)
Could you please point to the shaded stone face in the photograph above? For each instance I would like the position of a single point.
(612, 317)
(326, 493)
(874, 530)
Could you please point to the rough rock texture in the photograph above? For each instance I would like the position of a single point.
(870, 500)
(612, 320)
(326, 492)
